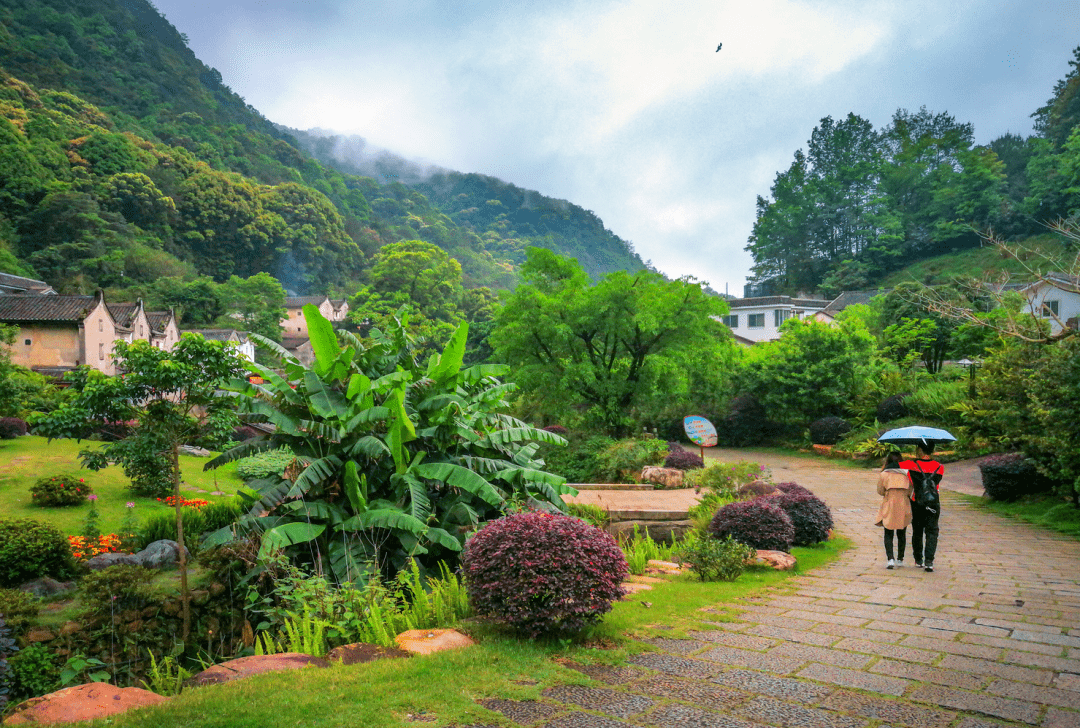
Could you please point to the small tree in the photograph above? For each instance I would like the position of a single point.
(171, 396)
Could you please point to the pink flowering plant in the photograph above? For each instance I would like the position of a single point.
(60, 490)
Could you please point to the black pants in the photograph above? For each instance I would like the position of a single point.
(924, 527)
(901, 542)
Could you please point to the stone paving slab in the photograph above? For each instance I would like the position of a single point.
(895, 712)
(926, 674)
(860, 679)
(790, 715)
(997, 669)
(1024, 712)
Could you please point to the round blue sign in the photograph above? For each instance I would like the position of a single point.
(700, 431)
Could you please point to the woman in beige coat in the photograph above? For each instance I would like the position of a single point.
(894, 485)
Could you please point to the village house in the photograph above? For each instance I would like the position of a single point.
(754, 320)
(58, 333)
(1056, 298)
(12, 285)
(294, 324)
(245, 348)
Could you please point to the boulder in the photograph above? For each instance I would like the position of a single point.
(427, 641)
(82, 702)
(757, 489)
(254, 665)
(39, 634)
(198, 452)
(664, 477)
(104, 561)
(361, 652)
(46, 586)
(778, 560)
(822, 449)
(159, 554)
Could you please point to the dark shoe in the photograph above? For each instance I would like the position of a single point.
(929, 567)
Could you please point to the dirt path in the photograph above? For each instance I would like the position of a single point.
(992, 637)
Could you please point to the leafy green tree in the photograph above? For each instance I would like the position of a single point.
(599, 345)
(171, 394)
(394, 459)
(197, 302)
(258, 301)
(904, 308)
(813, 370)
(1060, 116)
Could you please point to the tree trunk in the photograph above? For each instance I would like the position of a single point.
(185, 593)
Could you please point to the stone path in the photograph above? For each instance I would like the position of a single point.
(991, 638)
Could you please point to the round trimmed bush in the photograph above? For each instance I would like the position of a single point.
(892, 408)
(29, 549)
(12, 427)
(793, 488)
(1007, 477)
(60, 490)
(683, 460)
(745, 423)
(828, 430)
(760, 523)
(543, 573)
(809, 515)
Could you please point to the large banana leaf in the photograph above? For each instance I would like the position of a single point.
(385, 518)
(452, 356)
(319, 471)
(460, 477)
(324, 401)
(289, 534)
(443, 538)
(323, 341)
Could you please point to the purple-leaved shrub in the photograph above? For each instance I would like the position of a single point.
(543, 573)
(683, 460)
(760, 523)
(809, 515)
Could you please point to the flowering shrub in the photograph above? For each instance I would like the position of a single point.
(793, 488)
(809, 514)
(683, 460)
(29, 549)
(543, 573)
(184, 502)
(759, 523)
(60, 490)
(83, 548)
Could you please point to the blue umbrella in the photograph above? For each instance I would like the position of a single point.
(916, 435)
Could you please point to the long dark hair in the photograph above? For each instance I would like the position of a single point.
(892, 460)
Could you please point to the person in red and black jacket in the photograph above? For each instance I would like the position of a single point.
(925, 512)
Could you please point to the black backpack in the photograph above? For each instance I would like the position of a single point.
(925, 489)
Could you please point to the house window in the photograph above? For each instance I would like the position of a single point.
(755, 320)
(27, 342)
(101, 352)
(780, 315)
(100, 325)
(732, 320)
(1050, 308)
(140, 331)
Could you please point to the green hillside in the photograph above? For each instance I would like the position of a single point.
(1048, 253)
(124, 159)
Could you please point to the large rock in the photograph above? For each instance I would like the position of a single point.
(159, 554)
(198, 452)
(361, 652)
(659, 531)
(254, 665)
(104, 561)
(427, 641)
(82, 702)
(46, 586)
(778, 560)
(664, 477)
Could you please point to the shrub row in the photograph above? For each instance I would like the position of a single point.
(29, 549)
(793, 516)
(12, 427)
(1010, 476)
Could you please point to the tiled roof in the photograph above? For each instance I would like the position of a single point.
(18, 283)
(291, 342)
(851, 298)
(338, 303)
(300, 301)
(158, 320)
(777, 301)
(45, 308)
(123, 313)
(214, 334)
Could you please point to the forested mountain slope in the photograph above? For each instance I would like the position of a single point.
(124, 159)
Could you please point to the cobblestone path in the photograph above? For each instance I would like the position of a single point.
(991, 638)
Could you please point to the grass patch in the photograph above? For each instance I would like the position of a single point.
(444, 688)
(1046, 511)
(25, 459)
(977, 262)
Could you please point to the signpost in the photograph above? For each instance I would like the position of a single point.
(701, 432)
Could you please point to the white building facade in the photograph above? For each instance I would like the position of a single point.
(759, 319)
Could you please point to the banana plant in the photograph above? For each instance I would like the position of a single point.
(393, 458)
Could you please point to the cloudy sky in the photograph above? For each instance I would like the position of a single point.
(625, 107)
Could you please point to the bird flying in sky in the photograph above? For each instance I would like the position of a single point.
(719, 47)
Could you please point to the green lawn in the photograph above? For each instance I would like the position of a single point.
(1046, 511)
(444, 688)
(25, 459)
